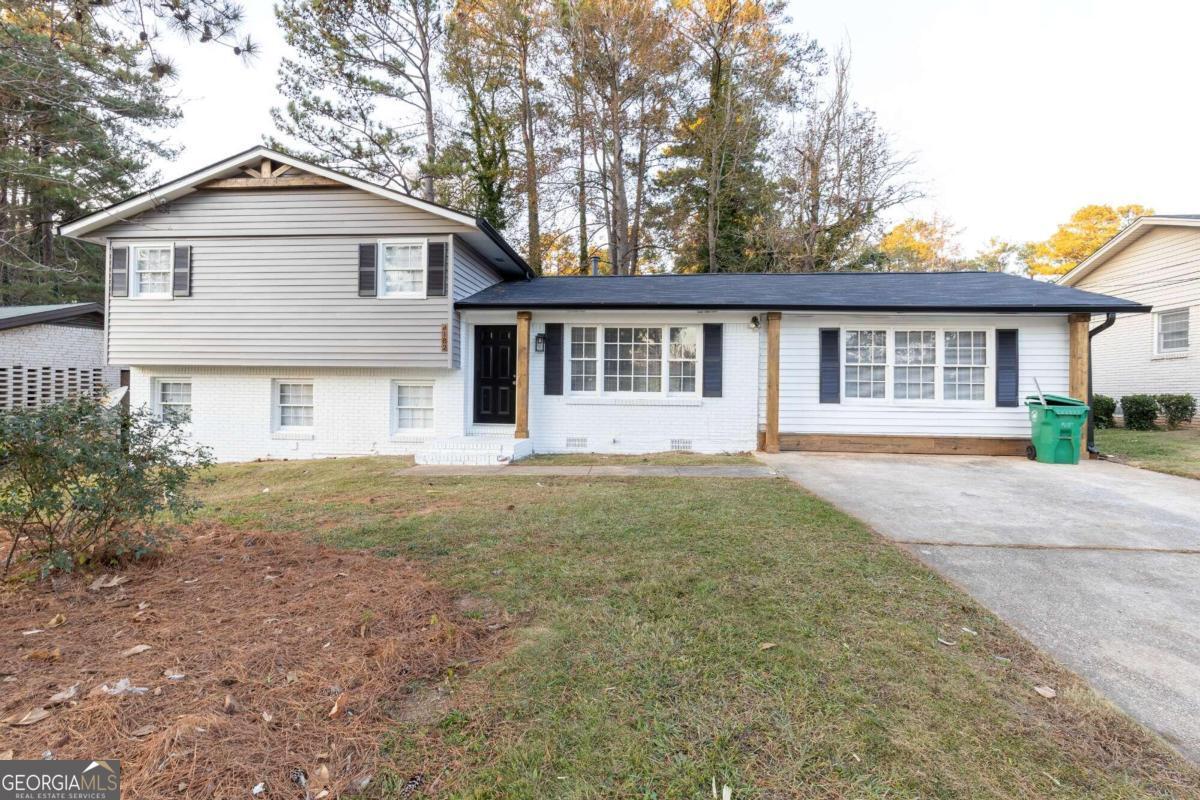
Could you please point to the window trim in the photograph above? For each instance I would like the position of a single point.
(277, 425)
(381, 284)
(157, 388)
(134, 291)
(664, 368)
(1157, 330)
(395, 408)
(939, 399)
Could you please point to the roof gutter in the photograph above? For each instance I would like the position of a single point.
(1109, 321)
(467, 303)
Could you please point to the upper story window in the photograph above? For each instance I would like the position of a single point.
(634, 359)
(151, 270)
(402, 268)
(905, 364)
(1171, 331)
(174, 397)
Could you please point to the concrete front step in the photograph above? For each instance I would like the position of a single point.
(476, 451)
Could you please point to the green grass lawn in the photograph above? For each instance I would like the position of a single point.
(1173, 452)
(671, 631)
(656, 459)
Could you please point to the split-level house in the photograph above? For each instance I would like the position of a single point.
(1155, 261)
(292, 312)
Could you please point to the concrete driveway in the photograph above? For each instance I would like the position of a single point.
(1099, 565)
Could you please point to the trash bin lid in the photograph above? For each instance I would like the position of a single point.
(1054, 400)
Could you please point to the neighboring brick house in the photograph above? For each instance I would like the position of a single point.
(52, 352)
(290, 311)
(1155, 261)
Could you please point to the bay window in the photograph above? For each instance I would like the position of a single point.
(634, 359)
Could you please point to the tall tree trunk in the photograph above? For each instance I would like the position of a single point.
(639, 194)
(620, 198)
(581, 188)
(430, 127)
(531, 171)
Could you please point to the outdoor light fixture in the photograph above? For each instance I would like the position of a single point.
(539, 343)
(754, 323)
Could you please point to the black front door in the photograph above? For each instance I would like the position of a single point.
(496, 374)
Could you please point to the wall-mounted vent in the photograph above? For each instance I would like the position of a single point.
(576, 442)
(681, 445)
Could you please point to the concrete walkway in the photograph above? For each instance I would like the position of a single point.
(1099, 564)
(599, 471)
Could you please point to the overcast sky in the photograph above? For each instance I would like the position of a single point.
(1017, 111)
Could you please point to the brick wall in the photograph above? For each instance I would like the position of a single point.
(232, 409)
(43, 363)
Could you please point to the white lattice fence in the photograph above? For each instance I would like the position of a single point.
(32, 387)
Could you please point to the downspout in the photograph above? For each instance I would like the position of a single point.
(1109, 320)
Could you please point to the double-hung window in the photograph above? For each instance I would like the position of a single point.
(174, 399)
(294, 405)
(866, 364)
(402, 268)
(634, 359)
(1171, 331)
(915, 365)
(151, 270)
(414, 407)
(681, 372)
(583, 359)
(964, 376)
(913, 376)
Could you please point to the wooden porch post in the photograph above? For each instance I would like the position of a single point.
(771, 435)
(522, 428)
(1077, 381)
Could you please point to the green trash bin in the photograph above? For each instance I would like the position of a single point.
(1056, 424)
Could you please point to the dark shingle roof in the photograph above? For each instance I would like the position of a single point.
(817, 291)
(88, 314)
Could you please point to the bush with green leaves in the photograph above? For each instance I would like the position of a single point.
(82, 484)
(1103, 409)
(1140, 411)
(1177, 409)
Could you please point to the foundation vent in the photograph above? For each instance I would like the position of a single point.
(576, 442)
(681, 445)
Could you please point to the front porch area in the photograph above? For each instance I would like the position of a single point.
(475, 451)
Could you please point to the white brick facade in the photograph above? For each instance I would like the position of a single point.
(46, 362)
(632, 424)
(232, 409)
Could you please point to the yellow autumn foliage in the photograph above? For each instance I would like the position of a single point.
(1088, 229)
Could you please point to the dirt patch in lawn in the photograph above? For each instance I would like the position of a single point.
(237, 659)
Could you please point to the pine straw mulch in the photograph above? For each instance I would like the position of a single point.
(296, 660)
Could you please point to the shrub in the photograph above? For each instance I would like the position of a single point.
(1103, 408)
(1177, 408)
(1140, 411)
(80, 483)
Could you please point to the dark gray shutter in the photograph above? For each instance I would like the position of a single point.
(553, 364)
(831, 365)
(1008, 369)
(119, 272)
(436, 269)
(366, 270)
(713, 360)
(181, 279)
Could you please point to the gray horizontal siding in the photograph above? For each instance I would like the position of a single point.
(471, 274)
(305, 212)
(280, 300)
